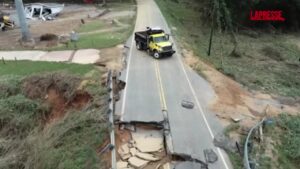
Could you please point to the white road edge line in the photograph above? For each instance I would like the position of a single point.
(126, 78)
(193, 91)
(201, 110)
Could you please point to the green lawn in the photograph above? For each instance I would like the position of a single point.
(92, 26)
(24, 68)
(101, 40)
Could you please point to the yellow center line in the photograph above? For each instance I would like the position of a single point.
(160, 86)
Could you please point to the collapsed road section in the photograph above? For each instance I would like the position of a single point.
(144, 143)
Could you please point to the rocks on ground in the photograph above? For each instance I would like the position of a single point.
(141, 150)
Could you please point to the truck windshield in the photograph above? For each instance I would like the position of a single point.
(160, 39)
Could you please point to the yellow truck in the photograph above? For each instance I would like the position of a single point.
(155, 41)
(5, 22)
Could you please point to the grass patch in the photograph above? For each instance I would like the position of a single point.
(24, 68)
(101, 40)
(231, 127)
(92, 26)
(104, 39)
(98, 40)
(280, 147)
(125, 5)
(288, 142)
(70, 142)
(236, 160)
(268, 63)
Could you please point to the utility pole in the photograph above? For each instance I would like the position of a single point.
(212, 30)
(22, 19)
(210, 38)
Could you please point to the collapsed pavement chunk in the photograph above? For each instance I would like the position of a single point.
(137, 162)
(148, 140)
(122, 164)
(147, 156)
(124, 152)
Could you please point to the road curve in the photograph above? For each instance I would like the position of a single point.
(156, 85)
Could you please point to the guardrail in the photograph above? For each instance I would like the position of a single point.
(111, 112)
(246, 157)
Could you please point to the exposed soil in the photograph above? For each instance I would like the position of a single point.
(233, 100)
(59, 91)
(124, 136)
(111, 58)
(59, 105)
(105, 156)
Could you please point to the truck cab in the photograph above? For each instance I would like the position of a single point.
(155, 41)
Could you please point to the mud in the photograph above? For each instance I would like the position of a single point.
(59, 91)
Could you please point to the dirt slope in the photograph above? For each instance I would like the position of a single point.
(234, 100)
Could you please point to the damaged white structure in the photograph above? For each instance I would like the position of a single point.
(43, 11)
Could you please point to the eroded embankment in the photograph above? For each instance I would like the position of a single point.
(49, 114)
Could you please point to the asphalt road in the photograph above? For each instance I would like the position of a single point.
(156, 85)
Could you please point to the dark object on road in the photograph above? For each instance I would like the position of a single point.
(155, 41)
(187, 104)
(210, 156)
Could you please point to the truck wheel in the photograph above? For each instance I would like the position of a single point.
(156, 55)
(138, 45)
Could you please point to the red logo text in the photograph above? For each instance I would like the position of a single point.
(266, 16)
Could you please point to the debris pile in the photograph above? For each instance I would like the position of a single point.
(146, 146)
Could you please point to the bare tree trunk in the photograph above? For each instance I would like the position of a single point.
(23, 24)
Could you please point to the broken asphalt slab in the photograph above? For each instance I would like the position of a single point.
(148, 140)
(147, 156)
(137, 162)
(124, 152)
(122, 164)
